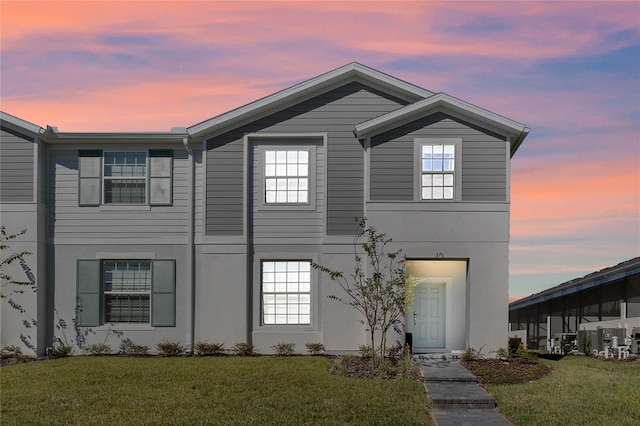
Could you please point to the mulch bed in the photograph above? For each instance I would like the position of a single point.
(506, 371)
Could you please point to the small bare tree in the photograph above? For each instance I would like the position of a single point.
(376, 288)
(5, 278)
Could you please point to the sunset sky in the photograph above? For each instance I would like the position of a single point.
(568, 70)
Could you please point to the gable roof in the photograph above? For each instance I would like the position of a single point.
(294, 94)
(18, 123)
(516, 131)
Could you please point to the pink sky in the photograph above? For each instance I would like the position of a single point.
(568, 70)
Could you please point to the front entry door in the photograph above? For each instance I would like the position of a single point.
(429, 315)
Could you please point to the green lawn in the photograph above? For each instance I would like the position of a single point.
(579, 391)
(113, 390)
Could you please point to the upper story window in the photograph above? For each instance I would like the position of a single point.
(125, 178)
(438, 168)
(286, 176)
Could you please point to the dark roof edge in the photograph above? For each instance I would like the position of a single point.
(604, 276)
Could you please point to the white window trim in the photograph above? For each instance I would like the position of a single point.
(274, 293)
(417, 168)
(297, 145)
(257, 308)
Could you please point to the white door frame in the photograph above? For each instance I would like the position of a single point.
(447, 281)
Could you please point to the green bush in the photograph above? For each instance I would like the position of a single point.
(244, 349)
(98, 349)
(365, 351)
(514, 343)
(166, 348)
(59, 350)
(209, 349)
(13, 354)
(128, 348)
(406, 365)
(284, 348)
(340, 365)
(502, 353)
(315, 348)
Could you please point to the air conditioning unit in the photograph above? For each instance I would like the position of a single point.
(635, 340)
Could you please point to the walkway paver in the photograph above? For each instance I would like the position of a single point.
(455, 395)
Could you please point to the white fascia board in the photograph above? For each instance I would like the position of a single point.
(425, 106)
(285, 97)
(23, 124)
(157, 137)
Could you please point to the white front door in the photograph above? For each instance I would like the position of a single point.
(429, 315)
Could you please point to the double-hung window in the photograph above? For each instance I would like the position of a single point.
(125, 177)
(286, 176)
(286, 292)
(438, 169)
(126, 291)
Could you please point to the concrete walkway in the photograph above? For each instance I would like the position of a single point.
(455, 396)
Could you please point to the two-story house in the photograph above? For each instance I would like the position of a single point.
(207, 233)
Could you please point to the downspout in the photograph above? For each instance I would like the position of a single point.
(191, 246)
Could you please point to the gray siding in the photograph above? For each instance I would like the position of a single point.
(16, 167)
(286, 223)
(68, 220)
(224, 205)
(335, 112)
(483, 159)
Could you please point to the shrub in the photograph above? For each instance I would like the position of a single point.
(365, 351)
(384, 369)
(502, 353)
(315, 348)
(128, 348)
(244, 349)
(340, 365)
(14, 354)
(523, 352)
(394, 352)
(406, 365)
(98, 349)
(59, 350)
(166, 348)
(470, 354)
(284, 349)
(209, 349)
(514, 343)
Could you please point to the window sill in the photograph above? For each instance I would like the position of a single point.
(113, 326)
(124, 207)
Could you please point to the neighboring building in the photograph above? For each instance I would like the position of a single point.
(609, 298)
(206, 233)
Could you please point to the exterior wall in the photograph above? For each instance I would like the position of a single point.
(335, 112)
(477, 233)
(113, 222)
(24, 316)
(17, 154)
(63, 271)
(484, 159)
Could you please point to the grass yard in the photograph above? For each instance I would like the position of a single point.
(259, 391)
(579, 391)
